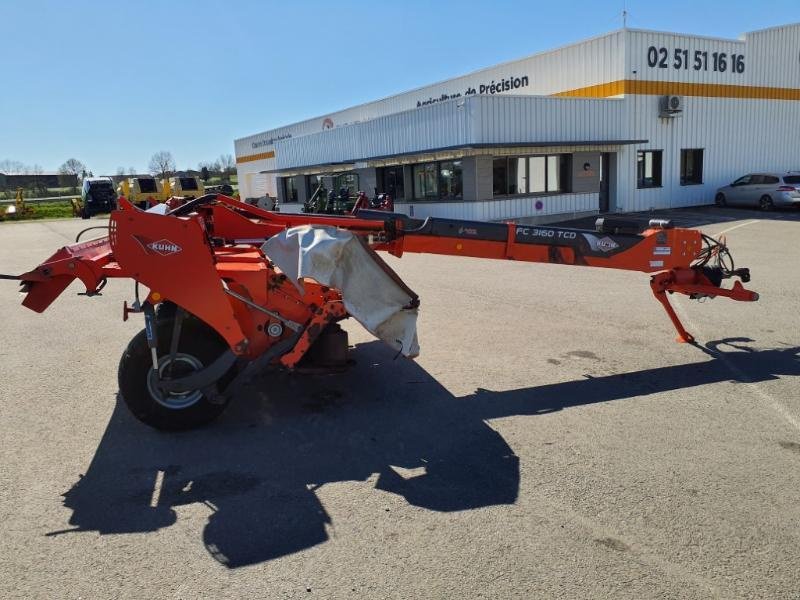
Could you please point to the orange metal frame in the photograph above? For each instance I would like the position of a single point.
(206, 258)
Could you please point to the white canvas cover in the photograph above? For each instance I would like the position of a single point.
(334, 257)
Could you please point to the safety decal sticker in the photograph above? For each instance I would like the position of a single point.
(662, 250)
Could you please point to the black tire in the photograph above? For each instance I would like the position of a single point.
(199, 346)
(720, 200)
(765, 203)
(85, 214)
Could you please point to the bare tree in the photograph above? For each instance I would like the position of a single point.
(226, 163)
(131, 170)
(162, 164)
(38, 185)
(11, 167)
(72, 166)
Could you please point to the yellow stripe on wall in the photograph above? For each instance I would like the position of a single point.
(252, 157)
(663, 88)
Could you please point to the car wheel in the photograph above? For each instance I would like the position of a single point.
(719, 200)
(765, 203)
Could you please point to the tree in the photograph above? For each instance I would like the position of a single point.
(38, 185)
(226, 164)
(71, 167)
(204, 174)
(162, 164)
(11, 167)
(131, 170)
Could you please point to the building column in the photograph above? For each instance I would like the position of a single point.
(367, 180)
(483, 175)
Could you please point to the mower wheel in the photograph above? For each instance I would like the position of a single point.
(198, 347)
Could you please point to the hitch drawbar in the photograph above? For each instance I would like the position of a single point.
(234, 288)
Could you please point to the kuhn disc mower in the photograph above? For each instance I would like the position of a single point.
(232, 288)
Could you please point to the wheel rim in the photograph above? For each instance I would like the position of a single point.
(184, 365)
(766, 203)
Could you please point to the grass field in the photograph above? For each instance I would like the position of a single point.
(40, 210)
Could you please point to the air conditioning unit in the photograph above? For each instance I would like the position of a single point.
(671, 106)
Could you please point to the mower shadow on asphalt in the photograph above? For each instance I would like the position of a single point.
(256, 470)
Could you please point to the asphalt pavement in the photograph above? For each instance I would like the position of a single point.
(551, 441)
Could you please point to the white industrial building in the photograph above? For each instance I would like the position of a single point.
(631, 120)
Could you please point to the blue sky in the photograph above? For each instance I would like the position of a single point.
(110, 83)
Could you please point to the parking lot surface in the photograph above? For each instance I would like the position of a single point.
(552, 440)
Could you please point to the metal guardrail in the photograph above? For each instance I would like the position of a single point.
(36, 200)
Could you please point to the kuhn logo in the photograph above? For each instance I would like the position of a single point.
(606, 244)
(164, 247)
(467, 231)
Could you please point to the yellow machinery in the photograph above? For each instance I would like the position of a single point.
(185, 187)
(77, 207)
(18, 209)
(142, 191)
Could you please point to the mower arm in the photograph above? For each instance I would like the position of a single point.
(89, 261)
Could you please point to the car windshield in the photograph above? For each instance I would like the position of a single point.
(791, 179)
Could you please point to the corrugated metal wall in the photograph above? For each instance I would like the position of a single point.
(460, 122)
(738, 134)
(435, 126)
(525, 119)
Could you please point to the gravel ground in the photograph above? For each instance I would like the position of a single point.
(551, 441)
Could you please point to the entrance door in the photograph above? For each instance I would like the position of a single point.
(605, 181)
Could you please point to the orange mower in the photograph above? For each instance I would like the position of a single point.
(233, 289)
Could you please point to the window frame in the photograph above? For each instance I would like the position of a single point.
(337, 186)
(436, 196)
(286, 196)
(698, 178)
(384, 186)
(563, 171)
(640, 180)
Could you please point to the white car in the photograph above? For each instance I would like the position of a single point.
(765, 190)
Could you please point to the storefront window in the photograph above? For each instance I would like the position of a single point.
(390, 181)
(517, 176)
(553, 179)
(692, 167)
(500, 176)
(290, 189)
(531, 175)
(538, 174)
(450, 186)
(313, 185)
(426, 184)
(346, 180)
(648, 168)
